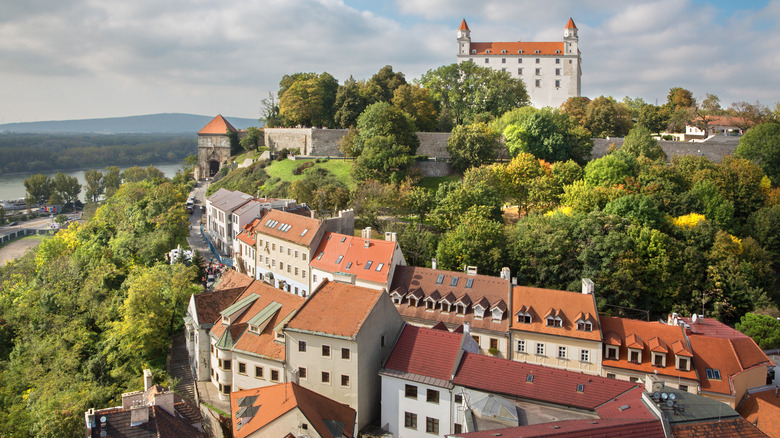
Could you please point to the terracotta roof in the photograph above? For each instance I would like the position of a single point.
(468, 289)
(711, 327)
(570, 24)
(272, 402)
(730, 356)
(515, 48)
(273, 224)
(217, 125)
(336, 309)
(625, 333)
(349, 254)
(734, 428)
(229, 286)
(161, 424)
(567, 304)
(628, 405)
(277, 305)
(762, 408)
(425, 352)
(463, 25)
(578, 429)
(247, 238)
(550, 385)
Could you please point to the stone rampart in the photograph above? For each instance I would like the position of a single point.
(714, 149)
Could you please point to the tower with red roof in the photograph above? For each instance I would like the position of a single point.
(213, 146)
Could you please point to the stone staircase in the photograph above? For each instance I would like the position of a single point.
(179, 367)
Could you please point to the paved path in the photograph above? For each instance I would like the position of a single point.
(179, 367)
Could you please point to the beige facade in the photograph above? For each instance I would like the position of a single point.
(572, 354)
(285, 264)
(687, 385)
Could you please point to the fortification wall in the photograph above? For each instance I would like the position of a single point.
(325, 142)
(714, 149)
(434, 168)
(297, 139)
(433, 144)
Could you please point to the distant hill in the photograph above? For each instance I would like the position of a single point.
(166, 123)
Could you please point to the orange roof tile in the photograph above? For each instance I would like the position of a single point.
(570, 24)
(762, 408)
(625, 333)
(514, 48)
(217, 125)
(567, 305)
(274, 401)
(463, 25)
(335, 308)
(349, 254)
(731, 428)
(295, 232)
(730, 356)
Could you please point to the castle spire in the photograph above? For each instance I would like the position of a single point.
(464, 26)
(569, 25)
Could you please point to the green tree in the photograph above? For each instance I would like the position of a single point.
(308, 99)
(350, 103)
(384, 83)
(640, 143)
(477, 241)
(654, 118)
(711, 104)
(472, 145)
(95, 185)
(610, 170)
(764, 329)
(607, 118)
(418, 103)
(576, 107)
(252, 139)
(549, 135)
(67, 187)
(747, 115)
(39, 189)
(455, 198)
(762, 145)
(639, 208)
(680, 98)
(111, 180)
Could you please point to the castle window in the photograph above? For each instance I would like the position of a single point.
(536, 51)
(503, 51)
(503, 60)
(473, 52)
(520, 51)
(557, 60)
(487, 60)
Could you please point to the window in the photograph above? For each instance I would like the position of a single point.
(380, 266)
(585, 355)
(303, 274)
(319, 256)
(382, 341)
(296, 271)
(338, 260)
(634, 357)
(585, 326)
(281, 249)
(540, 349)
(454, 281)
(241, 368)
(349, 265)
(289, 268)
(273, 247)
(410, 391)
(633, 379)
(296, 254)
(289, 252)
(458, 398)
(494, 343)
(368, 264)
(410, 420)
(345, 380)
(302, 372)
(537, 60)
(520, 51)
(521, 346)
(226, 364)
(432, 396)
(538, 83)
(557, 60)
(611, 376)
(713, 374)
(281, 265)
(682, 364)
(684, 388)
(303, 256)
(469, 282)
(315, 278)
(612, 352)
(432, 425)
(557, 83)
(658, 360)
(524, 318)
(520, 71)
(536, 51)
(561, 352)
(226, 389)
(345, 353)
(302, 346)
(274, 375)
(503, 60)
(325, 377)
(538, 71)
(440, 279)
(476, 338)
(258, 372)
(326, 351)
(557, 72)
(457, 428)
(554, 322)
(487, 61)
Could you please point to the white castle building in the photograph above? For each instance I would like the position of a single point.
(551, 71)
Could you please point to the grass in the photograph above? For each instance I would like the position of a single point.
(250, 155)
(219, 411)
(338, 168)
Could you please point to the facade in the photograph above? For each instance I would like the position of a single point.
(202, 311)
(245, 254)
(634, 349)
(288, 409)
(425, 297)
(551, 71)
(213, 146)
(337, 342)
(363, 261)
(556, 328)
(247, 345)
(219, 217)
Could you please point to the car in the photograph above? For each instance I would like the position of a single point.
(13, 223)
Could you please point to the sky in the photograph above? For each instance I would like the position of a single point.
(76, 59)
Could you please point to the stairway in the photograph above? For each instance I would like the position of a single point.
(179, 367)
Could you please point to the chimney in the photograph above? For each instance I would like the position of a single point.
(433, 263)
(139, 413)
(466, 329)
(505, 273)
(147, 379)
(391, 237)
(165, 401)
(89, 418)
(587, 286)
(471, 270)
(366, 233)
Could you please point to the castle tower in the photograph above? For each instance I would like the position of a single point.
(570, 39)
(213, 146)
(464, 38)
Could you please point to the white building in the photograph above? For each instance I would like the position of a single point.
(219, 217)
(551, 71)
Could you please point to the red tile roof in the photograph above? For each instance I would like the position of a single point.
(578, 429)
(549, 385)
(463, 25)
(229, 286)
(295, 232)
(420, 283)
(733, 428)
(217, 125)
(514, 48)
(425, 352)
(539, 302)
(337, 309)
(711, 327)
(729, 355)
(570, 24)
(762, 408)
(628, 405)
(349, 254)
(274, 401)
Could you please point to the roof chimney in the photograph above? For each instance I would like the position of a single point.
(139, 413)
(147, 379)
(587, 286)
(505, 273)
(466, 329)
(165, 401)
(366, 233)
(433, 263)
(471, 270)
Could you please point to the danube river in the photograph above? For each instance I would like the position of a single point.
(12, 186)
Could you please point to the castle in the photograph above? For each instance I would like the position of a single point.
(551, 71)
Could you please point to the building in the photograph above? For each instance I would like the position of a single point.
(551, 71)
(286, 243)
(153, 412)
(427, 296)
(635, 349)
(761, 408)
(337, 342)
(288, 409)
(202, 312)
(247, 344)
(213, 147)
(219, 217)
(245, 254)
(556, 328)
(361, 261)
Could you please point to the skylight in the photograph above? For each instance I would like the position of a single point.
(343, 239)
(440, 279)
(469, 282)
(529, 378)
(380, 266)
(349, 265)
(319, 256)
(713, 374)
(454, 281)
(303, 233)
(580, 387)
(368, 264)
(338, 260)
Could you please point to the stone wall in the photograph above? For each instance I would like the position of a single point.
(299, 139)
(325, 142)
(433, 144)
(434, 168)
(714, 149)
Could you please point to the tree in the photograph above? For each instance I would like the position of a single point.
(764, 329)
(477, 241)
(711, 104)
(549, 135)
(639, 208)
(308, 99)
(680, 98)
(654, 118)
(472, 145)
(39, 189)
(270, 111)
(610, 170)
(95, 185)
(747, 115)
(252, 139)
(576, 107)
(640, 143)
(466, 90)
(418, 103)
(111, 180)
(762, 145)
(382, 86)
(67, 187)
(607, 118)
(350, 103)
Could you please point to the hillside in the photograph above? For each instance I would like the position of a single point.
(165, 123)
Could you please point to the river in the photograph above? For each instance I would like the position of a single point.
(12, 186)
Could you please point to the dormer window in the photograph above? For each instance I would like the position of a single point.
(473, 51)
(503, 51)
(479, 311)
(524, 318)
(430, 305)
(682, 363)
(554, 321)
(557, 51)
(612, 352)
(460, 309)
(584, 326)
(659, 360)
(536, 51)
(254, 329)
(520, 51)
(634, 355)
(445, 306)
(278, 336)
(498, 314)
(225, 320)
(487, 51)
(416, 301)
